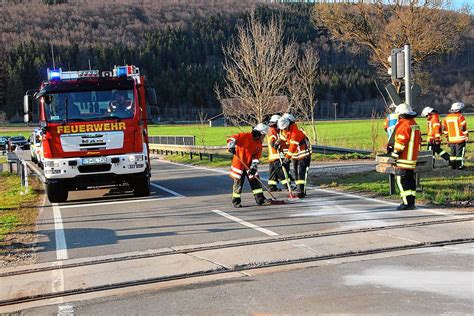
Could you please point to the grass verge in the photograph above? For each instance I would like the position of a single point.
(223, 161)
(442, 187)
(18, 213)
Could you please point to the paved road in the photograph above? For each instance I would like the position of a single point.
(191, 206)
(186, 208)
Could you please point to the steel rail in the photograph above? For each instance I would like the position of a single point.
(234, 244)
(222, 270)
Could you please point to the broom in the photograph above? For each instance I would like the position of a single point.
(287, 178)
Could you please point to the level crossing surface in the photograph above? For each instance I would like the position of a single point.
(192, 205)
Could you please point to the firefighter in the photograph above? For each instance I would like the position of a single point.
(390, 121)
(247, 150)
(284, 145)
(299, 151)
(455, 129)
(275, 167)
(434, 132)
(405, 151)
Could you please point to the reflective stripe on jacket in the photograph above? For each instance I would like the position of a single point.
(434, 128)
(455, 128)
(407, 143)
(299, 146)
(248, 150)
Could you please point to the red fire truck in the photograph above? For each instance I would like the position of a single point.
(94, 129)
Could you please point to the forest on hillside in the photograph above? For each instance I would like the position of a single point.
(178, 45)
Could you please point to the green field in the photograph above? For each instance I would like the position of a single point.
(358, 134)
(348, 134)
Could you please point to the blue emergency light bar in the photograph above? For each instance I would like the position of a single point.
(119, 71)
(54, 74)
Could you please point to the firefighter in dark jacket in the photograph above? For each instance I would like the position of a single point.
(434, 132)
(299, 150)
(455, 130)
(405, 151)
(247, 150)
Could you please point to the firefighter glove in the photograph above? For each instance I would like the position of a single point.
(231, 147)
(276, 144)
(252, 171)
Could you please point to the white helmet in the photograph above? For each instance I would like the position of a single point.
(456, 107)
(274, 118)
(261, 128)
(290, 117)
(426, 111)
(283, 122)
(403, 108)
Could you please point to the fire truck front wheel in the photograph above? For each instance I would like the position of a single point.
(141, 185)
(57, 192)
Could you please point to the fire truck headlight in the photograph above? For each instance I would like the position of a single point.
(133, 158)
(51, 164)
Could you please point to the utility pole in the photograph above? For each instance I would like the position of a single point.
(407, 52)
(335, 110)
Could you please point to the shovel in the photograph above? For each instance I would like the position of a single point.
(274, 200)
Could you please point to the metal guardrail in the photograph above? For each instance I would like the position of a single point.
(173, 140)
(212, 151)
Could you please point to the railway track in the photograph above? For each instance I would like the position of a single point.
(236, 268)
(236, 244)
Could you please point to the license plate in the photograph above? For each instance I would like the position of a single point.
(94, 160)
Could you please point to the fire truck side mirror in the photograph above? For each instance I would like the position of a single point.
(28, 108)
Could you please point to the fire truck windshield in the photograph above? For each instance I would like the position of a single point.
(89, 105)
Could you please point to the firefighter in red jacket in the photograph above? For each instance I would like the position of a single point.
(434, 132)
(247, 150)
(455, 130)
(299, 150)
(405, 151)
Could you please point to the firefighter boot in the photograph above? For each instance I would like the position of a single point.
(300, 191)
(236, 202)
(274, 188)
(261, 200)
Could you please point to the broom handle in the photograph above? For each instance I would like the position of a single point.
(286, 175)
(263, 185)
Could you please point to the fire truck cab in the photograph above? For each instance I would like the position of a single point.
(94, 129)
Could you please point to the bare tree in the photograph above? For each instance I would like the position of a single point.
(429, 26)
(303, 88)
(202, 128)
(257, 67)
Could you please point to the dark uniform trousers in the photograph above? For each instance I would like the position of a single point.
(407, 185)
(301, 174)
(254, 185)
(277, 174)
(457, 155)
(436, 149)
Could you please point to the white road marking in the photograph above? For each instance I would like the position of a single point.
(66, 310)
(120, 202)
(244, 223)
(61, 247)
(57, 282)
(166, 190)
(195, 167)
